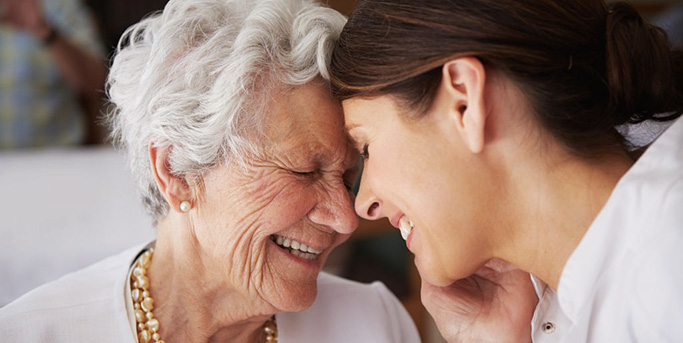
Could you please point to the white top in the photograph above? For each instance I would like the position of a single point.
(89, 305)
(81, 205)
(624, 281)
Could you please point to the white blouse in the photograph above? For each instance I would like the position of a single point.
(624, 281)
(90, 305)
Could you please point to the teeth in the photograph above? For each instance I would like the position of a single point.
(304, 255)
(297, 248)
(406, 226)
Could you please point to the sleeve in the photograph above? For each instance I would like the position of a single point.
(402, 326)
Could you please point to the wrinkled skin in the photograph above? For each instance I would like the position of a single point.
(493, 305)
(218, 262)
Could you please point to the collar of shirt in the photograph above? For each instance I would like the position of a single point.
(559, 310)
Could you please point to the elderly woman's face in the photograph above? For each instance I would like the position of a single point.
(269, 227)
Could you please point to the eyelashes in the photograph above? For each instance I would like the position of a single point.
(349, 177)
(308, 173)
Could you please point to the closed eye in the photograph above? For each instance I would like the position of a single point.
(305, 173)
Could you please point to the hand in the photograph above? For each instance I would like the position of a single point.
(495, 304)
(24, 15)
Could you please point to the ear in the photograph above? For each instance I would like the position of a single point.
(464, 80)
(173, 187)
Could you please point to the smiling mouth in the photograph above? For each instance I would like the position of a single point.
(296, 248)
(406, 226)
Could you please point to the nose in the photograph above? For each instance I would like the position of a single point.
(335, 209)
(367, 205)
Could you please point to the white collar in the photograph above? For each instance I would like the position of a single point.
(591, 257)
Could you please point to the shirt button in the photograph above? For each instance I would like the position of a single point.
(548, 327)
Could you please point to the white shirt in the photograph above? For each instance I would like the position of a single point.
(90, 305)
(624, 281)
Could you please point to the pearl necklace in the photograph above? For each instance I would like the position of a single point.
(143, 304)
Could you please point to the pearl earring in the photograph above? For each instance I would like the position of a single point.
(185, 206)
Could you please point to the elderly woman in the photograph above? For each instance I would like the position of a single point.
(240, 152)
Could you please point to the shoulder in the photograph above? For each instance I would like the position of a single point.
(375, 300)
(88, 301)
(650, 195)
(657, 276)
(655, 291)
(350, 311)
(647, 216)
(331, 286)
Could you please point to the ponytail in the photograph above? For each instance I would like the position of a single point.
(585, 66)
(643, 73)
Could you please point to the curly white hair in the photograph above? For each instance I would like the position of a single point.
(195, 78)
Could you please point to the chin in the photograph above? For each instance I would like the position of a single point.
(293, 281)
(437, 281)
(296, 299)
(433, 276)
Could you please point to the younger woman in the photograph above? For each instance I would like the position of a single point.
(493, 133)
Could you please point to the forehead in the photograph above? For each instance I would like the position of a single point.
(360, 111)
(306, 119)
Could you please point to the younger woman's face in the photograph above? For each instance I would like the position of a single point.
(422, 177)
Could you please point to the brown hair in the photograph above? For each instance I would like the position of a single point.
(585, 66)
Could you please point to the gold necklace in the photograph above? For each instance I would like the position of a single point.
(143, 304)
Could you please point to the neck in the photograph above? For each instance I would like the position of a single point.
(192, 300)
(556, 208)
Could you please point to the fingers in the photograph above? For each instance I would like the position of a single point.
(453, 308)
(463, 293)
(500, 265)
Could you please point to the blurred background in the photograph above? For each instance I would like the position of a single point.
(68, 199)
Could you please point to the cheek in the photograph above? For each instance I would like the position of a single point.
(250, 211)
(277, 203)
(450, 213)
(293, 200)
(444, 255)
(452, 236)
(235, 224)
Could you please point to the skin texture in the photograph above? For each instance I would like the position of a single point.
(216, 275)
(488, 190)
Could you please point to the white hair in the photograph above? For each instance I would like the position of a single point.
(195, 78)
